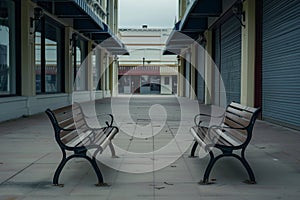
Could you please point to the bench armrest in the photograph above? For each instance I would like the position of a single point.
(198, 121)
(107, 122)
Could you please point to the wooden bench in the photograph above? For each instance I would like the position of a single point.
(73, 134)
(233, 133)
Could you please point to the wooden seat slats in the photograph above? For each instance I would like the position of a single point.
(233, 133)
(73, 133)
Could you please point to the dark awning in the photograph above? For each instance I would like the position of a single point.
(85, 21)
(78, 10)
(195, 19)
(108, 40)
(176, 42)
(193, 23)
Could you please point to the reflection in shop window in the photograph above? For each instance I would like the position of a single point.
(51, 66)
(48, 57)
(96, 70)
(7, 48)
(79, 62)
(38, 80)
(80, 71)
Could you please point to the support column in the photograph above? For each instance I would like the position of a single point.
(181, 77)
(208, 68)
(115, 72)
(193, 65)
(182, 8)
(102, 71)
(27, 50)
(107, 77)
(248, 54)
(98, 66)
(111, 75)
(69, 79)
(90, 67)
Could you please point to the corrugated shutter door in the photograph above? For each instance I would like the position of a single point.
(281, 62)
(231, 58)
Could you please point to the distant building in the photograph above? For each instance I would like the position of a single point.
(146, 70)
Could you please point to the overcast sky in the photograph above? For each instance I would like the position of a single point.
(154, 13)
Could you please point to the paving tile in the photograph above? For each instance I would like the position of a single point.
(29, 157)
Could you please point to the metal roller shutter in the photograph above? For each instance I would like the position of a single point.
(281, 62)
(227, 57)
(231, 58)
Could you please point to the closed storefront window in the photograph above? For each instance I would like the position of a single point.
(49, 57)
(79, 68)
(7, 48)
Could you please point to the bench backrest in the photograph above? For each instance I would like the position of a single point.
(242, 118)
(66, 122)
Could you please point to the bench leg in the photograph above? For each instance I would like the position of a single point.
(247, 166)
(112, 149)
(194, 149)
(97, 170)
(59, 169)
(209, 167)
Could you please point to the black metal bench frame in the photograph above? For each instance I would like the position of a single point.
(81, 148)
(211, 141)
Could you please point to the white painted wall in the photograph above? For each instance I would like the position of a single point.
(15, 107)
(166, 88)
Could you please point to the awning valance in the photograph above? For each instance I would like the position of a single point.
(193, 23)
(85, 21)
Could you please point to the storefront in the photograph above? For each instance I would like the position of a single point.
(49, 56)
(227, 57)
(43, 45)
(280, 62)
(9, 36)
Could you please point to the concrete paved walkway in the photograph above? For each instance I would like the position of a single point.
(153, 163)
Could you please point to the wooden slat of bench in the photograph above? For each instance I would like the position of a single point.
(107, 134)
(62, 114)
(69, 136)
(240, 122)
(79, 140)
(242, 107)
(214, 135)
(66, 123)
(64, 133)
(99, 136)
(62, 110)
(219, 139)
(229, 138)
(80, 123)
(196, 134)
(240, 113)
(238, 135)
(230, 123)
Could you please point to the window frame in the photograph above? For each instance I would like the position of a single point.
(16, 51)
(82, 44)
(60, 56)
